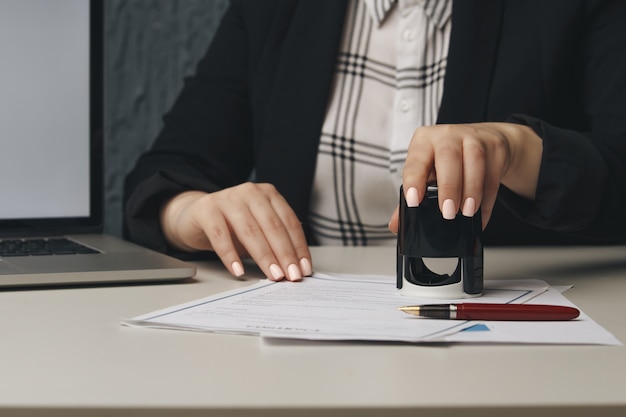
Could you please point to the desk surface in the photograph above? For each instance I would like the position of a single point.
(64, 353)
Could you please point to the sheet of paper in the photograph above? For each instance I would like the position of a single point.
(583, 330)
(326, 307)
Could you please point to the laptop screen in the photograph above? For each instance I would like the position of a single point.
(50, 112)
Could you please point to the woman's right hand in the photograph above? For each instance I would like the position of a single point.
(247, 220)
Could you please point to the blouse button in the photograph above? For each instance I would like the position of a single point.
(408, 35)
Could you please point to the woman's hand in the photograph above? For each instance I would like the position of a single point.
(245, 220)
(468, 162)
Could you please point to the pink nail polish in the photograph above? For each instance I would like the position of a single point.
(469, 207)
(237, 269)
(412, 197)
(276, 272)
(448, 211)
(305, 265)
(294, 273)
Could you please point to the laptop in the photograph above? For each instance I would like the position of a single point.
(51, 147)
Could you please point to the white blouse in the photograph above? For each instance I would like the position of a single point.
(388, 81)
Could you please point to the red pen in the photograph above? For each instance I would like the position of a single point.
(490, 312)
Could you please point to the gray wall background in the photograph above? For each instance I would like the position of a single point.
(151, 46)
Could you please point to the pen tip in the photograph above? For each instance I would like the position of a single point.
(410, 309)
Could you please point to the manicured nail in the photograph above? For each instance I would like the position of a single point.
(276, 272)
(294, 273)
(237, 269)
(306, 268)
(412, 197)
(448, 210)
(469, 207)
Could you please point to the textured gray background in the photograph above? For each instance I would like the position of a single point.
(151, 46)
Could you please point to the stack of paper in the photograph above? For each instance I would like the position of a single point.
(357, 307)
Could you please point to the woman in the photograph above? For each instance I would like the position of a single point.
(528, 124)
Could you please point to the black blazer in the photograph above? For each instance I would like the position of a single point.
(257, 103)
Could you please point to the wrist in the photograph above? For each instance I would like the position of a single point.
(526, 148)
(171, 215)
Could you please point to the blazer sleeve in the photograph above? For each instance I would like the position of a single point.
(582, 182)
(206, 141)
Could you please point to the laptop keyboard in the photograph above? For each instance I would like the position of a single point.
(42, 247)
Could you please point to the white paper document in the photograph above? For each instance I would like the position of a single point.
(357, 307)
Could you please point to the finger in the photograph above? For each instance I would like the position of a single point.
(418, 167)
(493, 176)
(449, 167)
(218, 233)
(474, 160)
(298, 244)
(393, 222)
(250, 234)
(489, 200)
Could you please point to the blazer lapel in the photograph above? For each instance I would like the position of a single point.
(296, 107)
(471, 57)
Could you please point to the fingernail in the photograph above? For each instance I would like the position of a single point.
(294, 273)
(305, 265)
(276, 272)
(412, 197)
(469, 207)
(237, 269)
(448, 210)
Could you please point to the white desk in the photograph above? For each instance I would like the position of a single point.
(63, 353)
